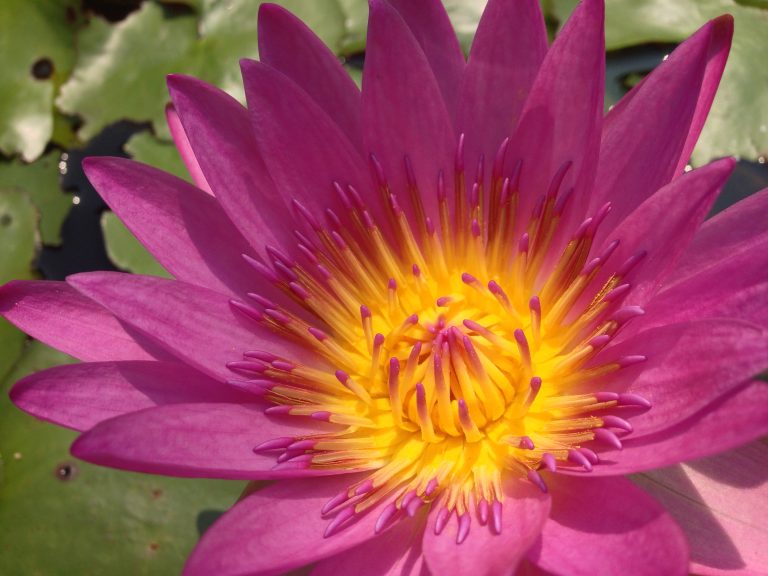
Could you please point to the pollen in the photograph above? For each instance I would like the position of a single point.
(461, 350)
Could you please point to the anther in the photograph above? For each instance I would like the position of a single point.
(577, 457)
(616, 422)
(535, 478)
(607, 437)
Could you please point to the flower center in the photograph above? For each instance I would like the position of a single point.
(460, 352)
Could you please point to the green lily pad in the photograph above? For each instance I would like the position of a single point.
(40, 181)
(70, 517)
(18, 220)
(37, 44)
(146, 148)
(738, 123)
(125, 250)
(121, 69)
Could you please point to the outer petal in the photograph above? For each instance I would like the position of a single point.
(397, 552)
(638, 158)
(220, 133)
(685, 368)
(607, 526)
(80, 396)
(663, 226)
(276, 529)
(484, 553)
(185, 149)
(430, 25)
(403, 110)
(57, 315)
(721, 504)
(501, 69)
(564, 111)
(195, 324)
(288, 45)
(735, 418)
(305, 150)
(184, 228)
(723, 272)
(204, 440)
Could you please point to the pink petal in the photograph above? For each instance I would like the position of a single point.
(607, 526)
(276, 529)
(288, 45)
(396, 552)
(193, 323)
(185, 229)
(200, 440)
(185, 149)
(722, 274)
(525, 509)
(721, 503)
(404, 114)
(737, 417)
(432, 29)
(719, 47)
(562, 118)
(663, 226)
(638, 158)
(59, 316)
(304, 148)
(79, 396)
(501, 69)
(685, 368)
(738, 230)
(220, 133)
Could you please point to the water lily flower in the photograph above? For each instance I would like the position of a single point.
(446, 314)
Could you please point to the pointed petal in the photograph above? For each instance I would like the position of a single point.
(185, 149)
(735, 418)
(663, 226)
(688, 365)
(288, 45)
(564, 111)
(282, 528)
(199, 440)
(432, 29)
(722, 274)
(59, 316)
(79, 396)
(404, 114)
(396, 552)
(507, 51)
(483, 553)
(182, 318)
(185, 229)
(721, 503)
(305, 150)
(639, 158)
(220, 133)
(606, 526)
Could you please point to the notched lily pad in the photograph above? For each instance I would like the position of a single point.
(37, 44)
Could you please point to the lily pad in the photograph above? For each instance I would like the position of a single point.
(125, 251)
(121, 69)
(37, 44)
(146, 148)
(18, 220)
(70, 517)
(40, 181)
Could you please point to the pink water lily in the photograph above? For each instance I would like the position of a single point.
(446, 315)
